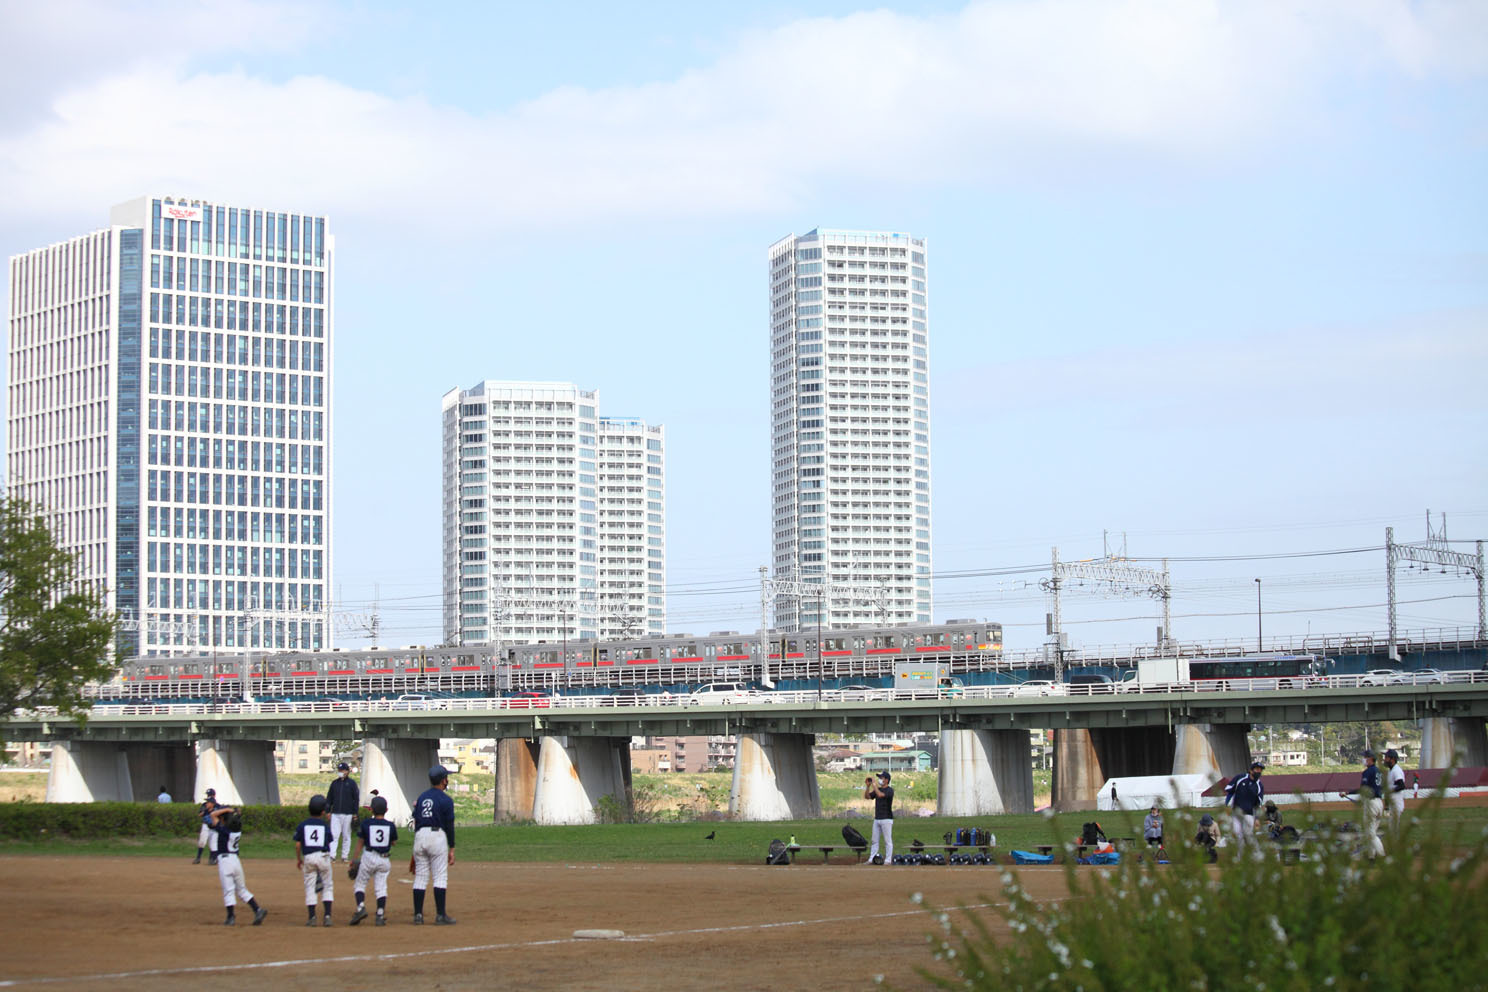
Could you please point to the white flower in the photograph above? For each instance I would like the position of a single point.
(1276, 928)
(917, 898)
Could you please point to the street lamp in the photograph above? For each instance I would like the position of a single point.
(819, 591)
(1260, 646)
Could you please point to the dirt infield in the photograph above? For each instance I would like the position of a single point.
(151, 923)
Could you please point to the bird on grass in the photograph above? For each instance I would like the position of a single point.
(711, 835)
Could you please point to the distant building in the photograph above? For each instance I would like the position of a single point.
(554, 517)
(650, 760)
(850, 427)
(896, 761)
(169, 410)
(696, 753)
(305, 757)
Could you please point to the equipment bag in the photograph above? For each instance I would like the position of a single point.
(949, 837)
(1105, 858)
(963, 837)
(779, 853)
(1030, 858)
(1091, 833)
(853, 838)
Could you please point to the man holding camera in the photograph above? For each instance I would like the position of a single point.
(882, 795)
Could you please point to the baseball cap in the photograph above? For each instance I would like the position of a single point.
(211, 793)
(1258, 764)
(343, 767)
(885, 776)
(1368, 753)
(1391, 755)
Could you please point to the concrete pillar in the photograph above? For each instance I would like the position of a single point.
(154, 765)
(774, 778)
(1448, 741)
(985, 772)
(516, 779)
(1085, 759)
(575, 774)
(1077, 771)
(242, 772)
(398, 768)
(89, 772)
(1218, 750)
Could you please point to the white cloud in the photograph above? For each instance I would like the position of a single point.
(996, 91)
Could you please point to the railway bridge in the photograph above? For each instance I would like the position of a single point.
(555, 764)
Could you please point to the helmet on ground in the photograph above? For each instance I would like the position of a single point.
(317, 805)
(379, 805)
(438, 774)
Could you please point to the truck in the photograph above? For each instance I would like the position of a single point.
(1154, 671)
(926, 677)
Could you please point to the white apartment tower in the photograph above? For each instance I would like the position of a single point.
(169, 407)
(850, 428)
(554, 517)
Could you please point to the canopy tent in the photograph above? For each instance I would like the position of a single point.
(1140, 792)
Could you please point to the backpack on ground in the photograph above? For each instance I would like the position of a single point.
(852, 837)
(1030, 858)
(1091, 833)
(779, 853)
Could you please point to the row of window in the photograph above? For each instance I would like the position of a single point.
(232, 490)
(215, 559)
(233, 525)
(236, 349)
(237, 233)
(234, 315)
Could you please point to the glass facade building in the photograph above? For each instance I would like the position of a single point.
(169, 408)
(554, 517)
(850, 428)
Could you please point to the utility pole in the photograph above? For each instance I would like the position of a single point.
(764, 631)
(820, 590)
(1435, 550)
(1260, 643)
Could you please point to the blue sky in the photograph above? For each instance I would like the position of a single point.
(1214, 275)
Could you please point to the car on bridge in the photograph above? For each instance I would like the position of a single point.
(864, 693)
(528, 701)
(1423, 676)
(1036, 687)
(723, 692)
(1380, 676)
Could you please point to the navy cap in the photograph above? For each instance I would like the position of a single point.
(1390, 755)
(343, 767)
(211, 793)
(438, 774)
(1368, 753)
(885, 776)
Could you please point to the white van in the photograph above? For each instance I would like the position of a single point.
(723, 692)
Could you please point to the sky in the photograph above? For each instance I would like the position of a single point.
(1208, 281)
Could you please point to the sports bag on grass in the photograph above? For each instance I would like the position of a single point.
(1030, 858)
(779, 853)
(853, 838)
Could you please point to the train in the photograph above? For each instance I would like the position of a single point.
(669, 661)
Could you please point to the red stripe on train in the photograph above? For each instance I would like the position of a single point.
(834, 654)
(301, 674)
(154, 678)
(796, 654)
(606, 664)
(584, 664)
(379, 671)
(188, 676)
(642, 661)
(465, 668)
(883, 650)
(683, 661)
(341, 671)
(941, 647)
(547, 664)
(736, 657)
(435, 669)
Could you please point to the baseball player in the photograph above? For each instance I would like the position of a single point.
(1243, 795)
(374, 841)
(227, 829)
(1394, 788)
(433, 844)
(343, 798)
(204, 835)
(1370, 805)
(313, 857)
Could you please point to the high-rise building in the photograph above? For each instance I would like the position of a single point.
(850, 428)
(554, 517)
(169, 408)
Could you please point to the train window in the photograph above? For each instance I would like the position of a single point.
(834, 644)
(604, 654)
(884, 641)
(857, 645)
(157, 669)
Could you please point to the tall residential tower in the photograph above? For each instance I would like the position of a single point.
(554, 517)
(850, 428)
(169, 408)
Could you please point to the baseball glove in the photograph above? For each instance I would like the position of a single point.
(353, 869)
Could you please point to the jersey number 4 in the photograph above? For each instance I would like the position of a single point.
(314, 836)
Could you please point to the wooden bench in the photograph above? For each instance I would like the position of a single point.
(1120, 843)
(826, 850)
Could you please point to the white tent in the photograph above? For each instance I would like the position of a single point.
(1141, 791)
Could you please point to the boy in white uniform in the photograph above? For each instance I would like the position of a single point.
(227, 829)
(1394, 788)
(374, 843)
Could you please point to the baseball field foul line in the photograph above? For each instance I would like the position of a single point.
(471, 949)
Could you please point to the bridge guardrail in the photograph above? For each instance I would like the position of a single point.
(796, 697)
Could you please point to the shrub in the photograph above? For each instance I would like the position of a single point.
(33, 821)
(1413, 920)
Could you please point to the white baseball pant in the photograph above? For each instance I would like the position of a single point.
(230, 874)
(317, 866)
(1242, 826)
(204, 838)
(375, 868)
(1372, 810)
(884, 829)
(341, 835)
(430, 858)
(1397, 809)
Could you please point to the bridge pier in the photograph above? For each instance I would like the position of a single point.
(575, 774)
(1218, 750)
(398, 768)
(984, 772)
(242, 772)
(1085, 759)
(516, 779)
(774, 778)
(108, 771)
(1453, 740)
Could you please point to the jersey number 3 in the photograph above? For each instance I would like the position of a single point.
(377, 836)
